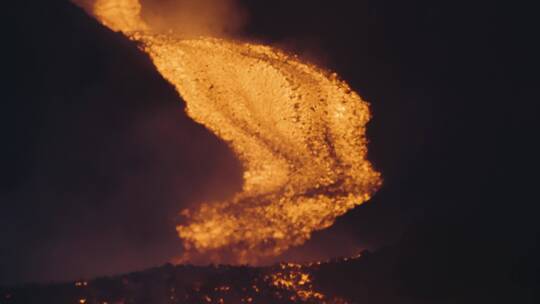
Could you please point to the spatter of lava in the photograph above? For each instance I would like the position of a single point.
(298, 130)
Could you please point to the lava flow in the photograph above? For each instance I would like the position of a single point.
(299, 132)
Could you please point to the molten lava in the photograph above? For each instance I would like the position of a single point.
(298, 130)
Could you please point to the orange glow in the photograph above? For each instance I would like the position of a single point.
(298, 130)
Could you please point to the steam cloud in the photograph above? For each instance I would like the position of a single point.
(188, 18)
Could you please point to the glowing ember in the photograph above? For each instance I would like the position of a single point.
(298, 130)
(291, 277)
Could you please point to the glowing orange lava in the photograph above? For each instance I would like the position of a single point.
(298, 130)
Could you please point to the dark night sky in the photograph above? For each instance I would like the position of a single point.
(97, 155)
